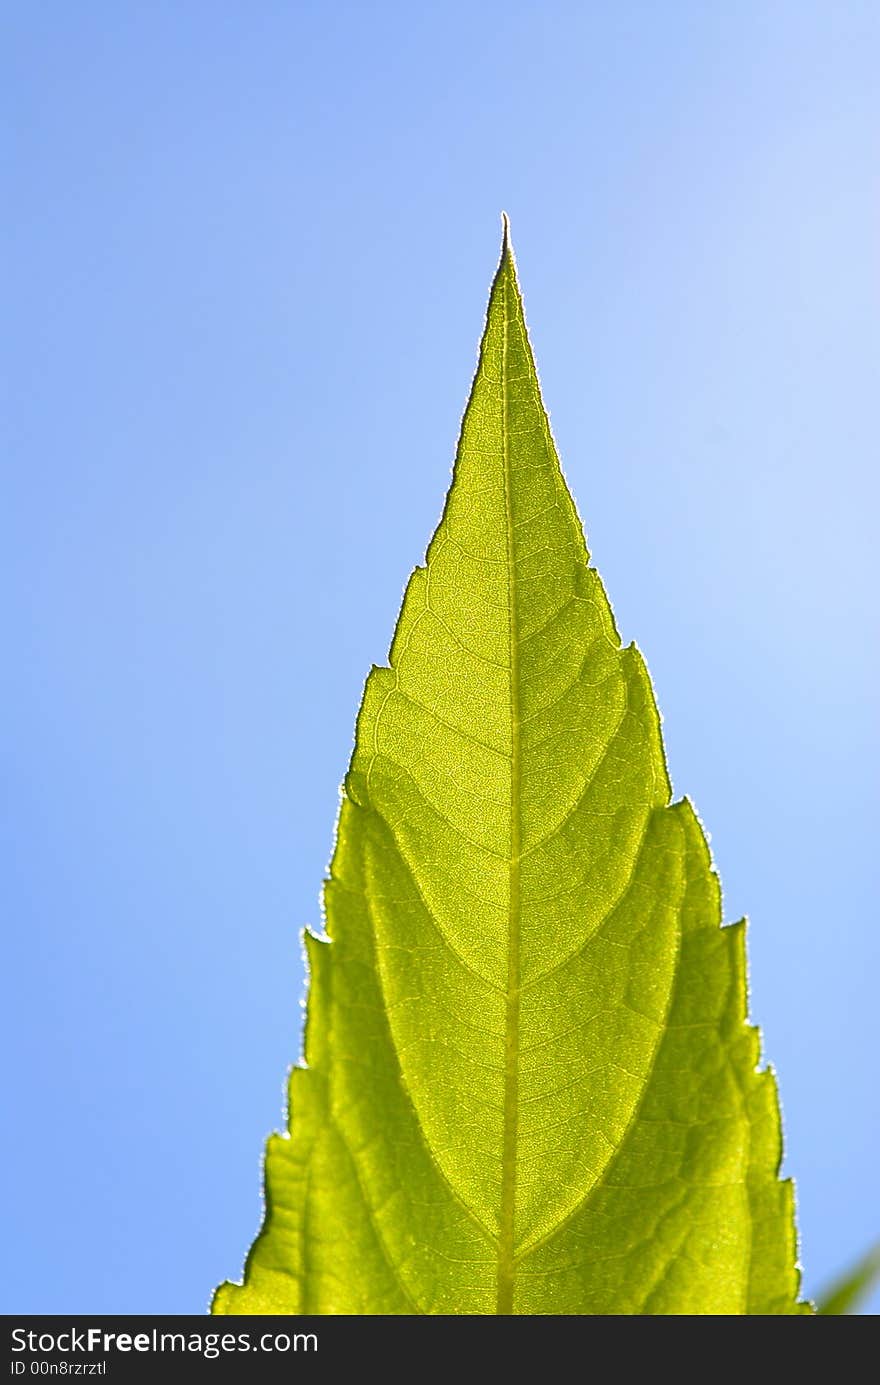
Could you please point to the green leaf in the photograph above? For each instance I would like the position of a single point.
(529, 1084)
(847, 1292)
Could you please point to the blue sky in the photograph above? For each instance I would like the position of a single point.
(250, 249)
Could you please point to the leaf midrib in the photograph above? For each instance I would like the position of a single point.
(507, 1221)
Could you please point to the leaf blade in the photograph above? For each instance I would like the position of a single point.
(843, 1296)
(528, 972)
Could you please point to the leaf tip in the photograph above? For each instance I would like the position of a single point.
(505, 235)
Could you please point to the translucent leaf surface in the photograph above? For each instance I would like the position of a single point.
(529, 1083)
